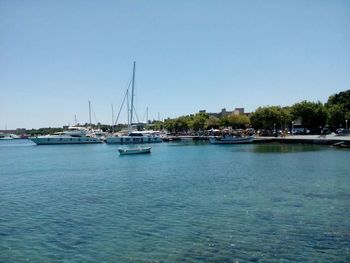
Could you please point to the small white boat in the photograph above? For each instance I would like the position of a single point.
(139, 150)
(231, 139)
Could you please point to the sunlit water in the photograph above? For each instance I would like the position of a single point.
(181, 203)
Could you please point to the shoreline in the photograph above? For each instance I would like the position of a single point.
(295, 139)
(304, 139)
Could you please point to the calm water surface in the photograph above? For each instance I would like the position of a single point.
(182, 203)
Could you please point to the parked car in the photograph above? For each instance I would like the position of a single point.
(343, 132)
(325, 131)
(300, 131)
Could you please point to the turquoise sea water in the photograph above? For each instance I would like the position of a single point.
(184, 202)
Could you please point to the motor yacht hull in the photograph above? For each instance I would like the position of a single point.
(73, 140)
(133, 139)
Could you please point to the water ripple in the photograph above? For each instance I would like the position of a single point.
(199, 203)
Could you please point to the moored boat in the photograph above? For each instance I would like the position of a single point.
(138, 150)
(133, 137)
(231, 139)
(343, 144)
(74, 135)
(8, 136)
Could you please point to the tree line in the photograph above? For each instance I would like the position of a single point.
(311, 115)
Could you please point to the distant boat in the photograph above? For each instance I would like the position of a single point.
(231, 139)
(8, 136)
(185, 138)
(139, 150)
(74, 135)
(134, 136)
(344, 144)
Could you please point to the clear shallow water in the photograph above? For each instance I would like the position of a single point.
(182, 203)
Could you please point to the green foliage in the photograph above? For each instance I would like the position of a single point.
(338, 109)
(177, 125)
(341, 98)
(312, 114)
(212, 122)
(224, 122)
(156, 125)
(104, 127)
(335, 115)
(43, 131)
(237, 121)
(182, 124)
(197, 122)
(169, 125)
(269, 116)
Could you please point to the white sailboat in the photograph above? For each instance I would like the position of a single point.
(133, 137)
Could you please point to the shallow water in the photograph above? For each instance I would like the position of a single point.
(190, 202)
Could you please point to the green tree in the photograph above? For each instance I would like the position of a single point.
(338, 108)
(335, 115)
(181, 124)
(238, 121)
(269, 117)
(341, 98)
(212, 122)
(156, 125)
(197, 122)
(224, 122)
(169, 125)
(312, 114)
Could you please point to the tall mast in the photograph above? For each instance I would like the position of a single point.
(132, 93)
(112, 118)
(127, 101)
(89, 113)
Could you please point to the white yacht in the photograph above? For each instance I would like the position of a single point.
(74, 135)
(98, 133)
(133, 136)
(8, 136)
(231, 139)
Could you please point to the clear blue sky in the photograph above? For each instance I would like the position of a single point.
(55, 56)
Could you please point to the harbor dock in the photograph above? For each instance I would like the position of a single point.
(305, 139)
(296, 139)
